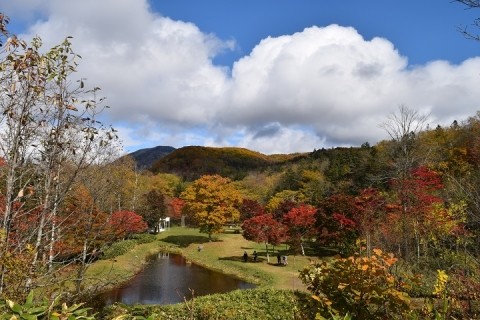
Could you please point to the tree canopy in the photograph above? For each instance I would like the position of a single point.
(212, 201)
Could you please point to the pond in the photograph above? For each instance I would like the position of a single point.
(168, 278)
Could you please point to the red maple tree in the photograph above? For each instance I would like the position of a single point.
(371, 207)
(334, 221)
(249, 209)
(264, 228)
(175, 208)
(418, 197)
(299, 222)
(125, 223)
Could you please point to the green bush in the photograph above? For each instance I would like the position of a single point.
(144, 238)
(238, 305)
(118, 248)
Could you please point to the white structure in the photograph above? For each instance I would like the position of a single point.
(164, 224)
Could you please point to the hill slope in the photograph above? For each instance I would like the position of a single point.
(144, 158)
(193, 162)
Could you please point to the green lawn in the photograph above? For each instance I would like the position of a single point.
(223, 254)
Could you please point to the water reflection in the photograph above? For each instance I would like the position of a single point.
(169, 279)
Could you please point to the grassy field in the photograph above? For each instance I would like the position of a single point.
(223, 254)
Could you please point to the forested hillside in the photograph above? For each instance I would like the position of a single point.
(192, 162)
(67, 198)
(144, 158)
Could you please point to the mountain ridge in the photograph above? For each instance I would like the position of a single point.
(190, 162)
(144, 158)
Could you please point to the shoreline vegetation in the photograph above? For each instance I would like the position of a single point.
(223, 254)
(277, 285)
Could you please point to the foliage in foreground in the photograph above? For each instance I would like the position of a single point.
(238, 304)
(31, 310)
(360, 286)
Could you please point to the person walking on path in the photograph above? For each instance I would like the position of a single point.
(245, 256)
(255, 256)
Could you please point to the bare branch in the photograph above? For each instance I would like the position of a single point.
(471, 4)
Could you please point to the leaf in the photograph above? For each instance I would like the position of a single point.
(29, 299)
(16, 308)
(70, 107)
(342, 286)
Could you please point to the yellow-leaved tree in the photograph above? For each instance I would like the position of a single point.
(212, 201)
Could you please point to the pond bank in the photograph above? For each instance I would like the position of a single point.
(224, 254)
(168, 279)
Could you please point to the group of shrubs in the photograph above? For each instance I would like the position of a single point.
(239, 304)
(121, 247)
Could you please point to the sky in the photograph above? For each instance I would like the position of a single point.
(274, 76)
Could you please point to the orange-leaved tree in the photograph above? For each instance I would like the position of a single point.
(212, 201)
(363, 287)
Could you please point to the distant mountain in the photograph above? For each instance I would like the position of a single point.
(144, 158)
(235, 163)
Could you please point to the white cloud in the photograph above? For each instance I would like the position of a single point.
(343, 85)
(284, 140)
(321, 87)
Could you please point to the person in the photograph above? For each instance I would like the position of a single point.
(255, 255)
(278, 259)
(284, 258)
(245, 256)
(200, 248)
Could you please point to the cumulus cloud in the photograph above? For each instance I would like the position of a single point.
(342, 85)
(320, 87)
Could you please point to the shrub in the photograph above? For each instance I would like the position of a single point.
(118, 248)
(144, 238)
(239, 304)
(360, 286)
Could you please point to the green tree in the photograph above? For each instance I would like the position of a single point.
(212, 201)
(155, 209)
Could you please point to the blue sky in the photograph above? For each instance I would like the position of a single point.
(273, 76)
(421, 30)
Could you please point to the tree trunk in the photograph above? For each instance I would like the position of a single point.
(266, 249)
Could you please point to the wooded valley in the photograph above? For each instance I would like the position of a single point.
(411, 201)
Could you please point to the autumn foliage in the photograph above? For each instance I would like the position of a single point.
(263, 228)
(299, 222)
(176, 207)
(360, 286)
(126, 223)
(212, 201)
